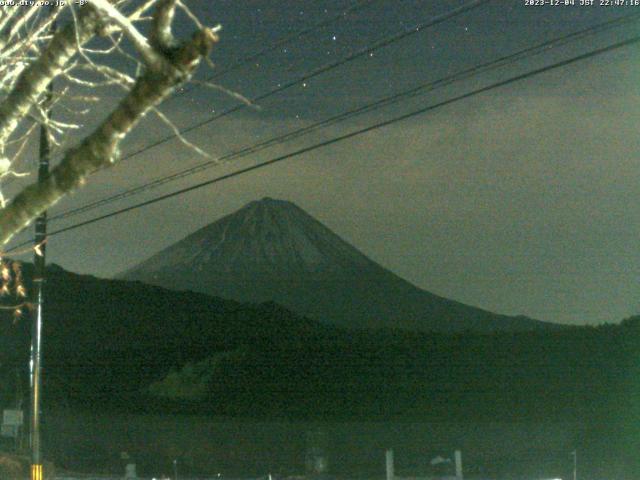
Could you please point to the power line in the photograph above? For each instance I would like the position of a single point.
(323, 69)
(318, 71)
(420, 89)
(366, 50)
(355, 133)
(250, 58)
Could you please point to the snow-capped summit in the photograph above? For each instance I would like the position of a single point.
(272, 250)
(268, 236)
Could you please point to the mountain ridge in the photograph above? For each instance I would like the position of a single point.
(272, 250)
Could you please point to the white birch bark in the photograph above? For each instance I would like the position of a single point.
(165, 65)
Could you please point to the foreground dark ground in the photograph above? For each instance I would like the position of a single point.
(235, 387)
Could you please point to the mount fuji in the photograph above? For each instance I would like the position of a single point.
(272, 250)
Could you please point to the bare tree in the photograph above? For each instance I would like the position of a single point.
(84, 53)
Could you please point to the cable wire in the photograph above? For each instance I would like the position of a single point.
(318, 71)
(334, 140)
(418, 90)
(250, 58)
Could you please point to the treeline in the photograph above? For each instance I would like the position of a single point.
(118, 344)
(577, 373)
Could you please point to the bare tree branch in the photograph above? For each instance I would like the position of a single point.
(152, 58)
(33, 81)
(100, 148)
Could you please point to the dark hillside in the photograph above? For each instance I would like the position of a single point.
(107, 339)
(125, 347)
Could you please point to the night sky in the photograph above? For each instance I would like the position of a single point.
(521, 200)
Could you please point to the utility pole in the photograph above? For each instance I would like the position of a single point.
(574, 454)
(458, 459)
(39, 265)
(390, 467)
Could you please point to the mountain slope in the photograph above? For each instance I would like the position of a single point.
(105, 339)
(271, 250)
